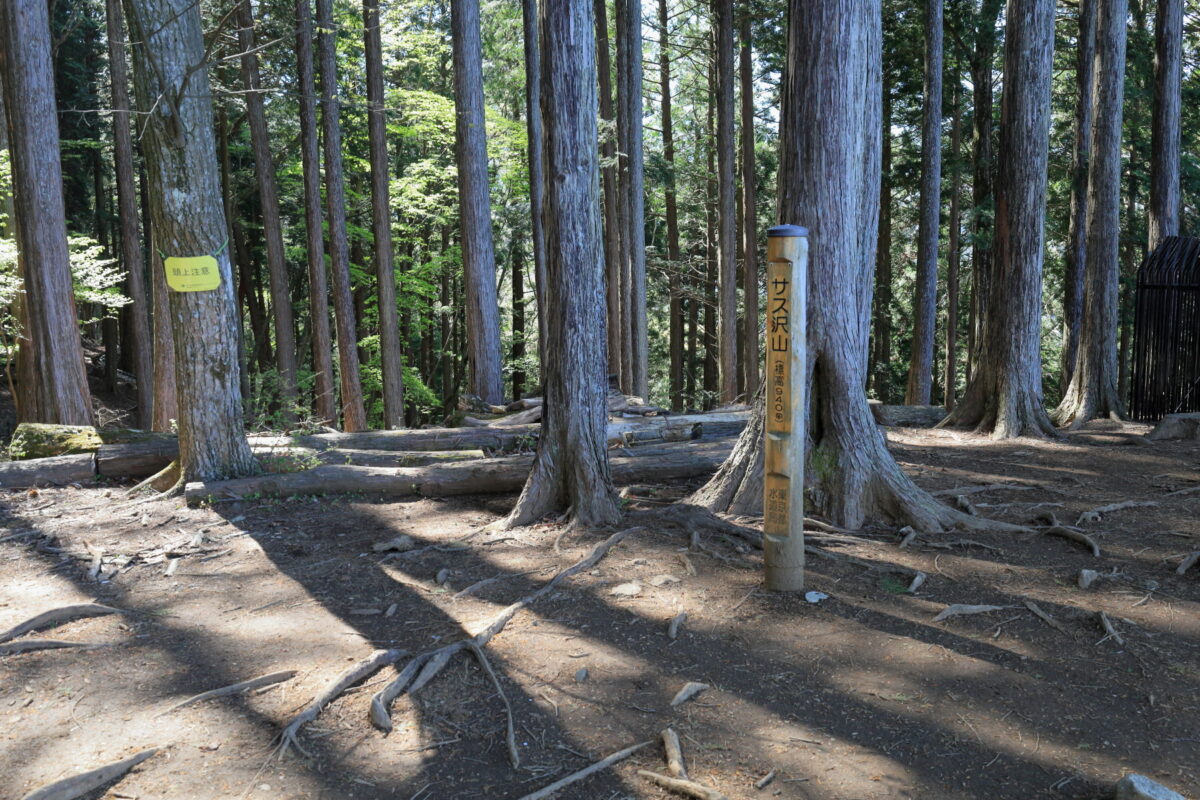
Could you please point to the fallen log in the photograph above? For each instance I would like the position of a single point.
(482, 476)
(1176, 426)
(52, 471)
(907, 416)
(39, 440)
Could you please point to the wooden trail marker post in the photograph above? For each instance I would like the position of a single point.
(783, 450)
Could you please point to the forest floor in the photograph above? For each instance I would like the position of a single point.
(861, 695)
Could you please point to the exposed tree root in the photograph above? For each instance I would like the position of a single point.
(31, 645)
(237, 688)
(1096, 514)
(586, 772)
(961, 609)
(1188, 563)
(56, 616)
(85, 782)
(363, 669)
(514, 757)
(1109, 630)
(164, 481)
(1075, 536)
(431, 663)
(1046, 618)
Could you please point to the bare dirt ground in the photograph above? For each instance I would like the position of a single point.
(861, 695)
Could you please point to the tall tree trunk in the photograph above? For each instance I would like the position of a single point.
(882, 318)
(674, 266)
(1075, 255)
(381, 220)
(629, 127)
(571, 468)
(953, 249)
(750, 355)
(1005, 393)
(163, 366)
(184, 182)
(139, 342)
(354, 414)
(324, 395)
(712, 385)
(533, 122)
(613, 233)
(1164, 160)
(829, 172)
(726, 204)
(268, 195)
(1093, 388)
(920, 367)
(981, 183)
(518, 318)
(479, 254)
(56, 388)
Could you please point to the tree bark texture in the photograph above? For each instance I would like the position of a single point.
(479, 254)
(1164, 160)
(140, 341)
(953, 251)
(185, 203)
(54, 388)
(1076, 250)
(750, 352)
(354, 414)
(571, 470)
(1004, 396)
(727, 311)
(533, 123)
(674, 266)
(1093, 388)
(629, 126)
(882, 319)
(920, 369)
(981, 182)
(324, 395)
(829, 172)
(613, 233)
(381, 221)
(268, 195)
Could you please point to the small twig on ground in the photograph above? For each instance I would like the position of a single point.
(1046, 618)
(765, 781)
(85, 782)
(1109, 630)
(586, 772)
(682, 786)
(225, 691)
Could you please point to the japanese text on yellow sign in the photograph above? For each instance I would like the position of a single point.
(193, 274)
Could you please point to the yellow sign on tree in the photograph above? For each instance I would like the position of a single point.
(193, 273)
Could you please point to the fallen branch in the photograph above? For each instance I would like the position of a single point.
(682, 786)
(674, 753)
(434, 661)
(30, 645)
(85, 782)
(363, 669)
(58, 615)
(237, 688)
(1046, 618)
(1075, 536)
(960, 609)
(1188, 563)
(1109, 630)
(991, 487)
(1097, 513)
(689, 690)
(586, 772)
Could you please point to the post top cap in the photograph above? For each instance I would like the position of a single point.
(787, 230)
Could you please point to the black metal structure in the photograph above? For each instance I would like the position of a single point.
(1166, 331)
